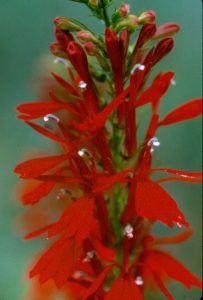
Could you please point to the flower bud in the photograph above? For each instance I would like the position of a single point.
(130, 22)
(166, 30)
(124, 9)
(65, 23)
(57, 50)
(86, 36)
(162, 49)
(63, 37)
(147, 17)
(91, 48)
(93, 3)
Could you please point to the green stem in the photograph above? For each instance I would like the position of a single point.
(105, 15)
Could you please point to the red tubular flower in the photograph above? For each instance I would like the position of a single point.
(166, 30)
(114, 54)
(101, 198)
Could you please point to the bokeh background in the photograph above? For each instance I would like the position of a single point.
(26, 30)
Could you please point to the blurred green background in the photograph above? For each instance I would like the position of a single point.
(26, 32)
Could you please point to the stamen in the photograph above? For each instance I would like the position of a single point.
(82, 85)
(137, 67)
(61, 60)
(139, 280)
(51, 117)
(153, 142)
(128, 231)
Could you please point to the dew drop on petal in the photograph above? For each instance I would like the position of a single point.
(89, 256)
(179, 225)
(173, 82)
(153, 142)
(128, 231)
(78, 274)
(62, 193)
(49, 117)
(61, 60)
(137, 67)
(139, 280)
(84, 152)
(82, 85)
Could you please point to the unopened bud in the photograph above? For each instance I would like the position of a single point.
(65, 23)
(91, 48)
(57, 50)
(166, 30)
(147, 17)
(124, 9)
(93, 3)
(162, 49)
(130, 22)
(86, 36)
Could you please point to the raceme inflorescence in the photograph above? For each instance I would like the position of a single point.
(100, 240)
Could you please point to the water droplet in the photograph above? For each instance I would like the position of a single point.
(51, 117)
(179, 222)
(62, 193)
(128, 231)
(139, 280)
(78, 274)
(173, 82)
(84, 152)
(153, 142)
(82, 85)
(137, 67)
(61, 61)
(89, 256)
(179, 225)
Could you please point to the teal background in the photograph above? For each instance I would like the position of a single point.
(26, 30)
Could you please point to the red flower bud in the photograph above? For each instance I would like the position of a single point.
(166, 30)
(86, 36)
(63, 38)
(91, 48)
(130, 22)
(124, 9)
(162, 49)
(78, 59)
(65, 23)
(57, 50)
(147, 17)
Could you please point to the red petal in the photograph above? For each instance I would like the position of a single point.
(46, 133)
(124, 289)
(105, 183)
(155, 204)
(59, 178)
(58, 262)
(37, 232)
(160, 261)
(42, 190)
(178, 172)
(69, 88)
(187, 111)
(97, 283)
(77, 220)
(35, 167)
(157, 90)
(103, 252)
(36, 110)
(179, 238)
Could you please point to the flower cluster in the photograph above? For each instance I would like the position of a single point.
(102, 246)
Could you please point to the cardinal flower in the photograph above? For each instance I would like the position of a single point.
(100, 175)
